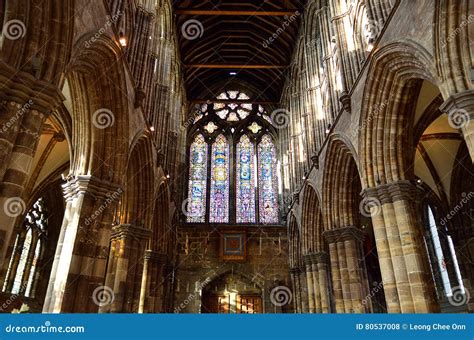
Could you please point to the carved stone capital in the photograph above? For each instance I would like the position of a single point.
(155, 257)
(460, 101)
(315, 258)
(130, 231)
(23, 87)
(345, 100)
(295, 270)
(315, 161)
(392, 192)
(344, 234)
(98, 188)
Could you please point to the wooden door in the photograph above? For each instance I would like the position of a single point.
(249, 304)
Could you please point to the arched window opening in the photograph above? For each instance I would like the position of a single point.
(219, 203)
(22, 269)
(267, 181)
(240, 168)
(442, 257)
(197, 180)
(245, 181)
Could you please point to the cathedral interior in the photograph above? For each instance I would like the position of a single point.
(286, 156)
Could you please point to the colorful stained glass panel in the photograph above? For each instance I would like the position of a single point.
(267, 181)
(196, 207)
(219, 200)
(245, 193)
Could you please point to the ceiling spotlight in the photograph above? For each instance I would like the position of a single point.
(122, 40)
(168, 176)
(232, 73)
(328, 129)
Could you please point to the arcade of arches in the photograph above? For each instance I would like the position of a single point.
(287, 156)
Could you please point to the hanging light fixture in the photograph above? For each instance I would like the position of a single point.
(122, 39)
(328, 129)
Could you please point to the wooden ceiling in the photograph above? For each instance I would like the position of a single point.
(234, 37)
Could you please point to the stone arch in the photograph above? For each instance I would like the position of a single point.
(38, 47)
(341, 185)
(161, 231)
(295, 242)
(137, 203)
(454, 52)
(97, 120)
(394, 77)
(312, 222)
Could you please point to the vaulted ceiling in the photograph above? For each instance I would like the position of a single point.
(225, 43)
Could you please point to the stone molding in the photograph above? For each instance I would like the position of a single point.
(130, 231)
(79, 185)
(460, 101)
(344, 234)
(316, 258)
(155, 257)
(402, 190)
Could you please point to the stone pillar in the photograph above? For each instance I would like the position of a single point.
(79, 267)
(388, 245)
(20, 131)
(124, 268)
(309, 283)
(153, 282)
(318, 293)
(295, 278)
(460, 110)
(348, 269)
(403, 259)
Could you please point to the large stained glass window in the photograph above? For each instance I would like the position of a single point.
(245, 193)
(196, 207)
(267, 181)
(21, 279)
(219, 199)
(232, 178)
